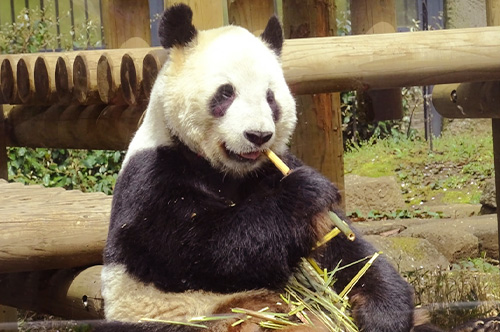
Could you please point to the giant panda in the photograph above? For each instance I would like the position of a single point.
(201, 221)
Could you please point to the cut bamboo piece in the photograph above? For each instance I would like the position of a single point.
(277, 162)
(339, 223)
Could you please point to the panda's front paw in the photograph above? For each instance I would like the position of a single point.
(311, 190)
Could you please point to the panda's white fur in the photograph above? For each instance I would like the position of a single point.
(129, 300)
(179, 98)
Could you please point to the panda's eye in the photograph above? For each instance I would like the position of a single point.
(226, 91)
(273, 105)
(222, 99)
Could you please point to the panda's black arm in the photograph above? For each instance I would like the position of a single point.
(382, 300)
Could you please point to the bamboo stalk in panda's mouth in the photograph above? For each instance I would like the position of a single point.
(339, 223)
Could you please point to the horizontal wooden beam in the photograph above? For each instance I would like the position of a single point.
(51, 228)
(70, 293)
(99, 126)
(391, 60)
(311, 65)
(468, 100)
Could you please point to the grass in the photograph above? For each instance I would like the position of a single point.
(453, 172)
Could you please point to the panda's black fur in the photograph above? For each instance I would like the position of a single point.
(183, 228)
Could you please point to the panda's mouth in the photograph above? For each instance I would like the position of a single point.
(242, 157)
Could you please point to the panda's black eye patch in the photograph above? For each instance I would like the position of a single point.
(273, 105)
(222, 99)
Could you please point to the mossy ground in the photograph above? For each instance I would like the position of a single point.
(454, 171)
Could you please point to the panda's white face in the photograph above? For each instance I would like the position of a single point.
(225, 97)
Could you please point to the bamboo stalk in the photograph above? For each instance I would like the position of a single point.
(339, 223)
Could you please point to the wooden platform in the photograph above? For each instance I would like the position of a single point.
(50, 228)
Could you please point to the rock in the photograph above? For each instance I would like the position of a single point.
(455, 210)
(365, 194)
(455, 238)
(454, 243)
(409, 254)
(488, 198)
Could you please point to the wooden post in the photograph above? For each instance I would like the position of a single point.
(206, 14)
(371, 17)
(4, 174)
(252, 15)
(493, 18)
(318, 137)
(126, 23)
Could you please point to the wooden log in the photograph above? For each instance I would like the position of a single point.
(73, 126)
(108, 127)
(51, 228)
(85, 87)
(314, 65)
(131, 79)
(86, 128)
(108, 78)
(151, 65)
(71, 293)
(130, 121)
(45, 79)
(318, 137)
(64, 76)
(468, 100)
(8, 79)
(137, 27)
(26, 79)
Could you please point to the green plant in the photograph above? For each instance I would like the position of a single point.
(398, 214)
(85, 170)
(35, 29)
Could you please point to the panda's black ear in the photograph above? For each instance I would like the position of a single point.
(176, 27)
(273, 35)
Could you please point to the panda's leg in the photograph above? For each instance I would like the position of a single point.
(382, 301)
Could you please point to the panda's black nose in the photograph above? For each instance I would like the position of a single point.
(258, 137)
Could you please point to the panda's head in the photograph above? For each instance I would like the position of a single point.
(222, 92)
